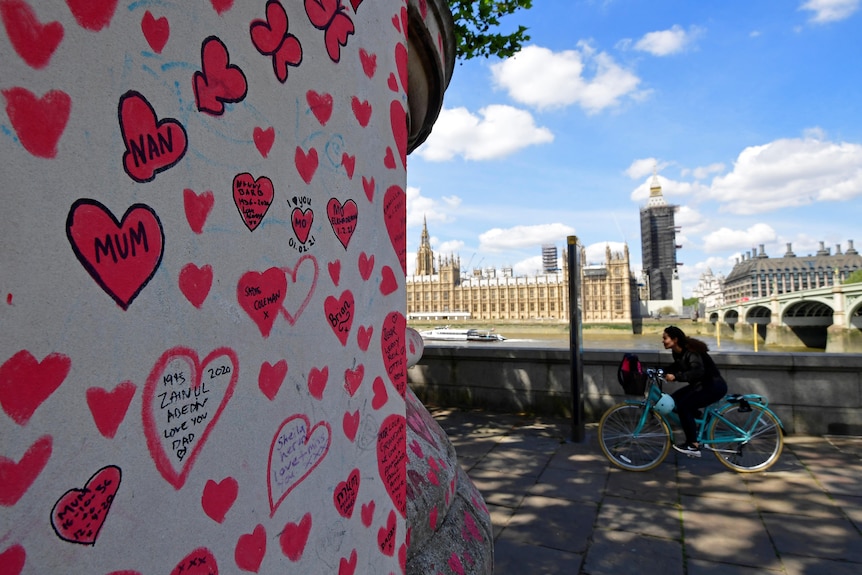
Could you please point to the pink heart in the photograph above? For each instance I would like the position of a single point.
(363, 338)
(92, 14)
(303, 281)
(369, 62)
(219, 82)
(388, 283)
(392, 459)
(306, 164)
(386, 536)
(195, 283)
(368, 513)
(347, 566)
(380, 395)
(401, 63)
(301, 221)
(26, 383)
(271, 377)
(34, 42)
(294, 537)
(297, 449)
(398, 121)
(12, 560)
(343, 219)
(218, 498)
(339, 315)
(263, 139)
(368, 186)
(389, 159)
(250, 549)
(334, 271)
(18, 477)
(79, 514)
(197, 208)
(152, 145)
(349, 163)
(353, 379)
(366, 265)
(395, 216)
(361, 111)
(261, 296)
(252, 198)
(392, 345)
(321, 105)
(109, 408)
(350, 424)
(317, 379)
(345, 494)
(156, 31)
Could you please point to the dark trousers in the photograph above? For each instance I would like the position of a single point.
(692, 397)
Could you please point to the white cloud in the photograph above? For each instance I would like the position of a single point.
(496, 132)
(727, 239)
(596, 254)
(667, 42)
(704, 172)
(669, 189)
(644, 167)
(538, 77)
(528, 267)
(790, 173)
(519, 237)
(689, 219)
(421, 208)
(450, 247)
(830, 10)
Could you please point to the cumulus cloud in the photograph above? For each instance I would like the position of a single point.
(689, 219)
(595, 253)
(667, 42)
(724, 239)
(644, 166)
(528, 267)
(541, 78)
(669, 189)
(704, 172)
(421, 208)
(495, 132)
(830, 10)
(450, 247)
(519, 237)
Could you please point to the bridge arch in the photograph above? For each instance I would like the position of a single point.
(809, 320)
(731, 318)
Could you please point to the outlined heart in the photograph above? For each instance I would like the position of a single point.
(252, 198)
(343, 219)
(109, 408)
(263, 139)
(366, 265)
(219, 497)
(368, 61)
(302, 281)
(320, 104)
(267, 35)
(197, 207)
(294, 537)
(392, 345)
(156, 31)
(353, 379)
(183, 400)
(92, 14)
(261, 296)
(251, 549)
(392, 459)
(306, 164)
(12, 560)
(317, 379)
(219, 82)
(121, 255)
(199, 562)
(386, 535)
(339, 314)
(395, 217)
(19, 477)
(152, 145)
(39, 122)
(398, 121)
(296, 450)
(195, 283)
(32, 40)
(345, 494)
(271, 377)
(300, 221)
(26, 383)
(388, 283)
(381, 396)
(79, 514)
(361, 111)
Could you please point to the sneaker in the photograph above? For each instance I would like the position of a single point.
(688, 449)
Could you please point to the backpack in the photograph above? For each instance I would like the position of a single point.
(631, 375)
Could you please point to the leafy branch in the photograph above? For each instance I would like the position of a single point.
(474, 22)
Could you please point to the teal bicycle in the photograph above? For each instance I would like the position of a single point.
(741, 430)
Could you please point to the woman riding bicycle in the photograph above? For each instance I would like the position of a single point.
(691, 365)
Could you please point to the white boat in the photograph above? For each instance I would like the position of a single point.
(460, 334)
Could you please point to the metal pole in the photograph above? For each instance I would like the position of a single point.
(575, 351)
(718, 333)
(754, 325)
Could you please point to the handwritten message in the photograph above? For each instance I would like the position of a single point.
(79, 514)
(252, 198)
(297, 448)
(392, 459)
(392, 345)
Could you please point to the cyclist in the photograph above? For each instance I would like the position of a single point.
(691, 365)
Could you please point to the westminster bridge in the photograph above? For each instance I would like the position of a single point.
(827, 318)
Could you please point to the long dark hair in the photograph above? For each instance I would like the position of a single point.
(684, 341)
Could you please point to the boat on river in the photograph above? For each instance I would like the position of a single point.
(460, 334)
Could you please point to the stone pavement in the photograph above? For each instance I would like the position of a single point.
(559, 507)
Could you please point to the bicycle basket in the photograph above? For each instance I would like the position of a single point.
(631, 375)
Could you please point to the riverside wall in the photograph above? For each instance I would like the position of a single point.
(812, 393)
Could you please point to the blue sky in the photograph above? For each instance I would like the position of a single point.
(751, 111)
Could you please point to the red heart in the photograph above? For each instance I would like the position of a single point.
(388, 283)
(369, 62)
(288, 54)
(197, 208)
(350, 424)
(264, 139)
(39, 122)
(404, 20)
(18, 477)
(392, 459)
(267, 35)
(368, 513)
(221, 6)
(346, 492)
(250, 549)
(386, 536)
(392, 82)
(306, 164)
(320, 104)
(252, 198)
(353, 379)
(294, 537)
(366, 265)
(380, 395)
(339, 315)
(395, 216)
(271, 377)
(343, 219)
(152, 145)
(349, 163)
(261, 296)
(301, 221)
(12, 560)
(335, 271)
(218, 498)
(297, 449)
(26, 383)
(79, 514)
(398, 121)
(432, 518)
(34, 42)
(389, 159)
(198, 562)
(92, 14)
(347, 567)
(109, 407)
(361, 110)
(195, 283)
(401, 63)
(368, 186)
(303, 281)
(122, 256)
(396, 22)
(155, 31)
(219, 82)
(355, 4)
(317, 379)
(392, 344)
(363, 338)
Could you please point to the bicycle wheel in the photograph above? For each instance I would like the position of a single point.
(640, 451)
(727, 433)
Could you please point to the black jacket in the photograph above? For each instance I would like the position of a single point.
(691, 367)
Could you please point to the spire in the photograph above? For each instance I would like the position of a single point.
(655, 196)
(425, 239)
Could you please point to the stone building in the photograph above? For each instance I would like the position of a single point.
(709, 289)
(658, 244)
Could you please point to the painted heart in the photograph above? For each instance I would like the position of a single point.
(343, 219)
(152, 145)
(197, 208)
(267, 35)
(396, 22)
(306, 164)
(350, 424)
(250, 549)
(218, 498)
(92, 14)
(195, 283)
(109, 408)
(367, 513)
(368, 186)
(361, 111)
(271, 377)
(392, 82)
(331, 17)
(389, 159)
(363, 337)
(18, 477)
(401, 64)
(388, 283)
(32, 40)
(345, 494)
(288, 55)
(26, 383)
(398, 122)
(317, 379)
(355, 4)
(121, 255)
(12, 560)
(263, 139)
(353, 379)
(296, 450)
(455, 564)
(369, 62)
(366, 265)
(339, 315)
(320, 104)
(392, 459)
(432, 519)
(156, 31)
(392, 344)
(303, 281)
(349, 163)
(221, 6)
(386, 535)
(199, 562)
(183, 400)
(39, 122)
(252, 198)
(301, 221)
(79, 514)
(261, 296)
(334, 271)
(219, 82)
(380, 394)
(395, 217)
(415, 346)
(347, 566)
(294, 537)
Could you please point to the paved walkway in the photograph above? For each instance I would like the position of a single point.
(560, 508)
